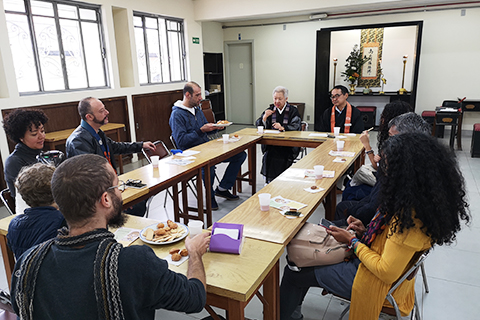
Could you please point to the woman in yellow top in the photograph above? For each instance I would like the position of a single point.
(422, 202)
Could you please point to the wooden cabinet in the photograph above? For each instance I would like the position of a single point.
(213, 68)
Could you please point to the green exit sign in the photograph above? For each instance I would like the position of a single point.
(196, 40)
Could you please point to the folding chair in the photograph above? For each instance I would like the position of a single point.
(8, 201)
(303, 150)
(194, 179)
(408, 275)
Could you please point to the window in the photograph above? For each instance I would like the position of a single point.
(160, 48)
(56, 45)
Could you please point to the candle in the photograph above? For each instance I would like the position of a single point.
(335, 59)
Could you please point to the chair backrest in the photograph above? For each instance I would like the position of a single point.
(173, 142)
(209, 115)
(419, 257)
(304, 126)
(161, 151)
(8, 200)
(206, 104)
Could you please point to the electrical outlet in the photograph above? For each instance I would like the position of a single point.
(308, 117)
(463, 12)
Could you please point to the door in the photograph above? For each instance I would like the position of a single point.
(239, 62)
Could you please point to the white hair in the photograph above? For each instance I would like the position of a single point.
(282, 90)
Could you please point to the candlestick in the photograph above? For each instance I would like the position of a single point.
(403, 90)
(334, 70)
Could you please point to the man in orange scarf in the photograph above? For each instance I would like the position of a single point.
(342, 114)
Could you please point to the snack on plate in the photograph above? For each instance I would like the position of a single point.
(174, 250)
(176, 257)
(235, 135)
(223, 122)
(160, 225)
(164, 234)
(184, 252)
(313, 187)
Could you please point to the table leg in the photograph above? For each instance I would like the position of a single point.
(176, 209)
(208, 195)
(459, 133)
(452, 137)
(186, 213)
(252, 167)
(271, 293)
(120, 159)
(8, 259)
(200, 194)
(331, 204)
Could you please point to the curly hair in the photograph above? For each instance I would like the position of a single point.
(34, 184)
(390, 111)
(421, 176)
(19, 121)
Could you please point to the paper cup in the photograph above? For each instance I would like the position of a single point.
(264, 199)
(318, 171)
(340, 145)
(195, 227)
(260, 129)
(154, 160)
(336, 131)
(225, 137)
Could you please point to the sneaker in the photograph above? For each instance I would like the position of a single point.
(226, 194)
(292, 266)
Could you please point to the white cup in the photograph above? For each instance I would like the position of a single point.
(264, 199)
(225, 137)
(336, 131)
(340, 145)
(318, 171)
(154, 160)
(260, 129)
(195, 227)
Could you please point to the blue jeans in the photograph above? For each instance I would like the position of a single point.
(228, 180)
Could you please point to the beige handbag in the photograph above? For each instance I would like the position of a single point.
(313, 246)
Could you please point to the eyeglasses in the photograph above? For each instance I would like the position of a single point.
(121, 186)
(335, 96)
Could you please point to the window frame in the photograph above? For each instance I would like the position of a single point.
(57, 19)
(182, 48)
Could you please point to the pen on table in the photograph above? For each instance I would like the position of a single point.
(370, 129)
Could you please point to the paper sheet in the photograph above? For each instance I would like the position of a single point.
(180, 162)
(271, 131)
(187, 153)
(318, 135)
(341, 154)
(232, 233)
(126, 236)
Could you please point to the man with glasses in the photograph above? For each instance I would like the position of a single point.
(84, 273)
(88, 138)
(342, 114)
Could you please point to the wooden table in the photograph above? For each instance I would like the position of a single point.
(232, 280)
(8, 257)
(55, 138)
(271, 225)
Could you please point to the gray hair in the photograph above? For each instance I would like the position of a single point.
(410, 122)
(282, 90)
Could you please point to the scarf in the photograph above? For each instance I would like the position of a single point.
(285, 116)
(107, 289)
(375, 227)
(348, 119)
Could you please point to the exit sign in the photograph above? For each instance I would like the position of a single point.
(196, 40)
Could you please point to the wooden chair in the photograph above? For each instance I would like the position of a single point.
(418, 260)
(8, 201)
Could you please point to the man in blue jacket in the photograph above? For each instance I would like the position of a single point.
(190, 128)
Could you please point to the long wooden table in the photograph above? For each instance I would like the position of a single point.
(271, 225)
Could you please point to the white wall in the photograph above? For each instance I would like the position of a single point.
(9, 97)
(448, 61)
(212, 37)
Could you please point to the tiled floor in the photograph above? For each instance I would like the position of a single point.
(452, 271)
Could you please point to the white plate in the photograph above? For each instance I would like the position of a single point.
(223, 125)
(154, 227)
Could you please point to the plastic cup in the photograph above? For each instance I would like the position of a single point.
(340, 145)
(318, 171)
(260, 129)
(264, 199)
(336, 131)
(225, 137)
(195, 227)
(154, 160)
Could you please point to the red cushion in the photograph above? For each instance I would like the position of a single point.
(428, 114)
(476, 127)
(367, 109)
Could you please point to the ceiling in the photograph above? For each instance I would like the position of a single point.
(228, 11)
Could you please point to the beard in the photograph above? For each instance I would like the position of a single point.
(118, 218)
(100, 122)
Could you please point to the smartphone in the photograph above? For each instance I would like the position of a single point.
(137, 184)
(330, 136)
(292, 213)
(327, 224)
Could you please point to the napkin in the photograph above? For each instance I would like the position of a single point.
(313, 190)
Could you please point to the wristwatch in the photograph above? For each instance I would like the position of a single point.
(369, 151)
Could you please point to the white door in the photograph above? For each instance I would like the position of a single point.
(240, 82)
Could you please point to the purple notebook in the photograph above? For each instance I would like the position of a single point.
(224, 243)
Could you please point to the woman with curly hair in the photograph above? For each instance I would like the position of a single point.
(391, 110)
(422, 203)
(25, 128)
